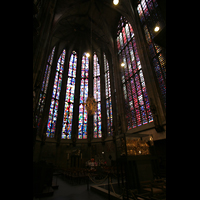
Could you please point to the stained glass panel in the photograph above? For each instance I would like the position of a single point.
(118, 43)
(127, 32)
(97, 97)
(108, 97)
(82, 123)
(52, 119)
(45, 83)
(69, 98)
(124, 35)
(135, 96)
(149, 20)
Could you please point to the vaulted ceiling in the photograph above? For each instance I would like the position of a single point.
(74, 20)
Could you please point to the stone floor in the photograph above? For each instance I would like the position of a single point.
(67, 191)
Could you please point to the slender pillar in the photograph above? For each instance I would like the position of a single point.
(90, 92)
(119, 90)
(77, 92)
(103, 97)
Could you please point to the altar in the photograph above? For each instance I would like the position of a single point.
(93, 163)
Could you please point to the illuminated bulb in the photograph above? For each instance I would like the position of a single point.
(115, 2)
(88, 55)
(122, 64)
(157, 28)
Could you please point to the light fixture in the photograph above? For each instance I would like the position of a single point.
(122, 64)
(115, 2)
(157, 28)
(88, 55)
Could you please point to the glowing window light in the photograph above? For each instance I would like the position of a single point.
(115, 2)
(157, 28)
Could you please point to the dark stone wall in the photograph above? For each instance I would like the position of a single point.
(61, 155)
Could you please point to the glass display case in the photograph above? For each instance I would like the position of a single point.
(134, 144)
(136, 157)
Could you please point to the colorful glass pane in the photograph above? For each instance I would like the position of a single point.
(140, 12)
(135, 96)
(121, 40)
(124, 35)
(69, 98)
(45, 83)
(151, 18)
(97, 97)
(52, 119)
(82, 123)
(145, 9)
(127, 32)
(108, 97)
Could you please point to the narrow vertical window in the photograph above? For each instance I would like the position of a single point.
(108, 97)
(53, 111)
(136, 100)
(97, 97)
(150, 17)
(69, 98)
(82, 125)
(45, 83)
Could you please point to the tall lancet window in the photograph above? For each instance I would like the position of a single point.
(45, 83)
(82, 125)
(108, 97)
(97, 97)
(150, 17)
(69, 98)
(136, 99)
(53, 111)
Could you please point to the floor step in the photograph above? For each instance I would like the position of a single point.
(47, 191)
(54, 185)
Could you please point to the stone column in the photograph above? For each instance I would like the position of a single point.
(103, 97)
(90, 92)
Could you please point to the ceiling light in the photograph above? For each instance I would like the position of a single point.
(157, 28)
(122, 64)
(88, 55)
(115, 2)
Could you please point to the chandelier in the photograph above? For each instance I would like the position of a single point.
(91, 105)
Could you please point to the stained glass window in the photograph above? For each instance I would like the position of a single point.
(45, 82)
(150, 17)
(82, 124)
(53, 111)
(108, 97)
(97, 97)
(136, 99)
(69, 98)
